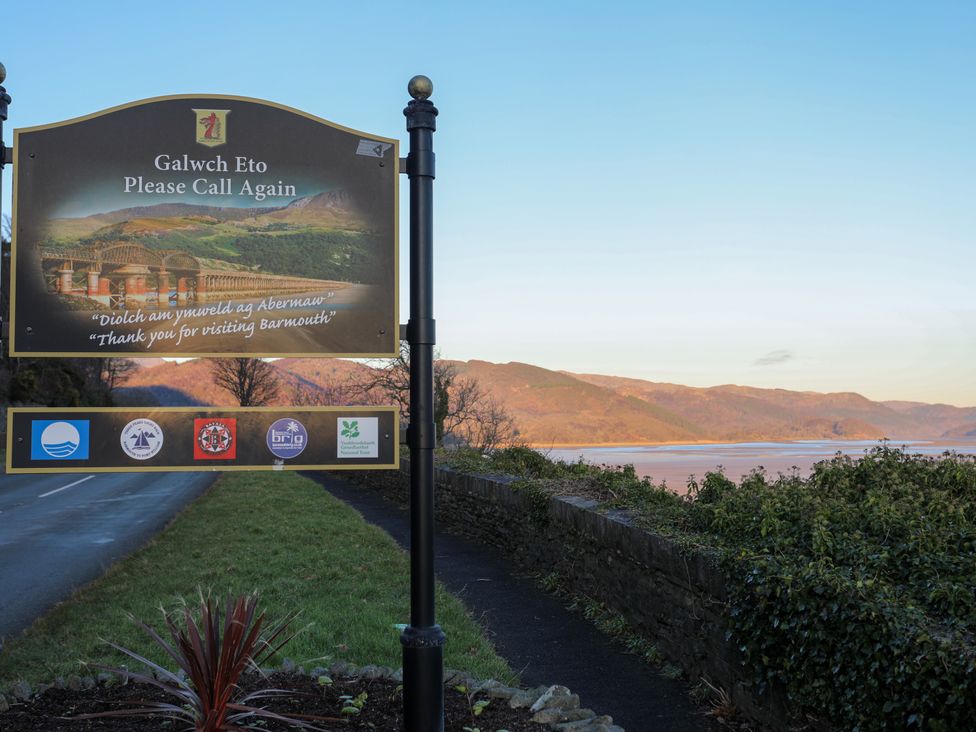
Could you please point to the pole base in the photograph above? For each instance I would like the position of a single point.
(423, 679)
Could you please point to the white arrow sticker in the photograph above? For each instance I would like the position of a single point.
(372, 149)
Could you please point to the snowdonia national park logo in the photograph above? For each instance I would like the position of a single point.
(357, 437)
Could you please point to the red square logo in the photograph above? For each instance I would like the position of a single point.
(215, 439)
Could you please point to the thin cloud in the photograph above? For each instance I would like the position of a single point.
(773, 357)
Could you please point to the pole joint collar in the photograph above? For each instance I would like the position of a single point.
(421, 332)
(420, 163)
(429, 637)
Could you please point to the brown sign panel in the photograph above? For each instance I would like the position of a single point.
(128, 439)
(204, 226)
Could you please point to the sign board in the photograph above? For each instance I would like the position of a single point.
(129, 439)
(204, 226)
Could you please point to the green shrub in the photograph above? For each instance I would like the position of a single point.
(853, 589)
(846, 652)
(520, 462)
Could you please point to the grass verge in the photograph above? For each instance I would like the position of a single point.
(280, 534)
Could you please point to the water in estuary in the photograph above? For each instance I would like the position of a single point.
(674, 463)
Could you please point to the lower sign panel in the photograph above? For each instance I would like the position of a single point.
(127, 439)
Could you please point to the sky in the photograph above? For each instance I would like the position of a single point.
(762, 193)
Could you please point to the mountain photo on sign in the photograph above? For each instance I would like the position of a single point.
(177, 254)
(169, 261)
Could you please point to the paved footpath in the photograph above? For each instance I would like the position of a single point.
(532, 630)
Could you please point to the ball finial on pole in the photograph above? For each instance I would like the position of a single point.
(420, 87)
(3, 73)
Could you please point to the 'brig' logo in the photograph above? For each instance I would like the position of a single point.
(211, 126)
(65, 439)
(287, 438)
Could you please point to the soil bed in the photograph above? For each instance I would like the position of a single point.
(382, 709)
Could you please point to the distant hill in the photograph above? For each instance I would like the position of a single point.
(170, 380)
(747, 413)
(943, 418)
(87, 225)
(965, 432)
(333, 209)
(555, 407)
(190, 383)
(147, 363)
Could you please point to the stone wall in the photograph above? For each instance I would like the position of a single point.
(675, 599)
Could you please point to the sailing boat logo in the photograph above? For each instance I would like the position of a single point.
(141, 439)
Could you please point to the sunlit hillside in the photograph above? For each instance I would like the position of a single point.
(552, 407)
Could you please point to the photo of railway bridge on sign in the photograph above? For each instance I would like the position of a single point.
(127, 275)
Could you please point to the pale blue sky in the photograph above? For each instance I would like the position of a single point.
(764, 193)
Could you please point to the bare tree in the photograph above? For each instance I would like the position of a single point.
(491, 427)
(462, 408)
(456, 400)
(116, 371)
(305, 394)
(108, 372)
(309, 394)
(102, 375)
(390, 380)
(253, 382)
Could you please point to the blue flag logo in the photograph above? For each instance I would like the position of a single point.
(59, 439)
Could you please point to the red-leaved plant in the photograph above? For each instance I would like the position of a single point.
(213, 654)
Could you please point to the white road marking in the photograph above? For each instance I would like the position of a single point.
(58, 490)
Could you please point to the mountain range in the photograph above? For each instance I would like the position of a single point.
(562, 408)
(320, 236)
(330, 209)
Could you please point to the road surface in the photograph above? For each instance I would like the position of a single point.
(58, 532)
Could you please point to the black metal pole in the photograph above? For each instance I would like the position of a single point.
(4, 101)
(423, 641)
(4, 258)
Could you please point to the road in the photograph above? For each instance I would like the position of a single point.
(58, 532)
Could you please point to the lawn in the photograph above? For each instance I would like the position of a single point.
(279, 534)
